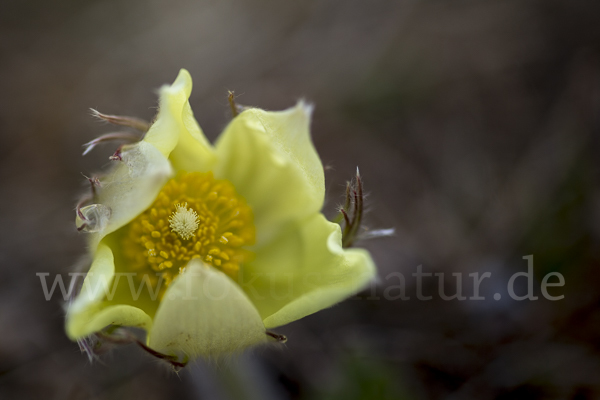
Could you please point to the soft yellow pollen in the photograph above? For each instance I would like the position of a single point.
(193, 216)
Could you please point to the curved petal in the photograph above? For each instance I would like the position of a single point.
(131, 186)
(270, 159)
(175, 131)
(205, 313)
(303, 271)
(88, 313)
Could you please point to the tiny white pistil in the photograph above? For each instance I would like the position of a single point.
(184, 221)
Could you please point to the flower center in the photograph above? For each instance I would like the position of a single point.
(193, 216)
(184, 221)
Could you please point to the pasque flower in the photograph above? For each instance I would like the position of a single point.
(206, 247)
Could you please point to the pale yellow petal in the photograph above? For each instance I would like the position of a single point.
(175, 131)
(205, 313)
(270, 159)
(131, 186)
(89, 312)
(100, 316)
(303, 271)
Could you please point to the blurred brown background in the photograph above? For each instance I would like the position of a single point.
(476, 127)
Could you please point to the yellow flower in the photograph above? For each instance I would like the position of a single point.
(228, 240)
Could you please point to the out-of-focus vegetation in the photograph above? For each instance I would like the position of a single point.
(476, 126)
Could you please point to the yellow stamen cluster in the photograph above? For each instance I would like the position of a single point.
(194, 216)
